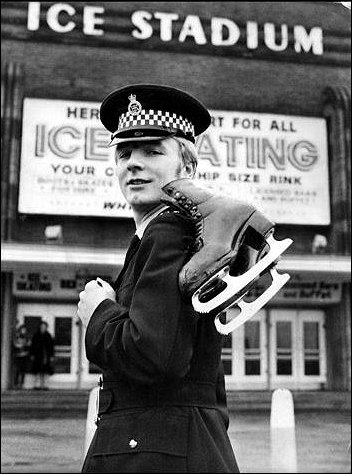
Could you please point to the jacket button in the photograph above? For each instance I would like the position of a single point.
(133, 443)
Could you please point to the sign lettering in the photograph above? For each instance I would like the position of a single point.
(67, 285)
(62, 18)
(278, 163)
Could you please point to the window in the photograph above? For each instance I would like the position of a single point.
(284, 348)
(311, 348)
(32, 324)
(63, 334)
(226, 354)
(252, 348)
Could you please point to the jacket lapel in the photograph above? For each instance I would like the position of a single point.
(132, 249)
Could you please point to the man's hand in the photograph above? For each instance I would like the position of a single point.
(93, 294)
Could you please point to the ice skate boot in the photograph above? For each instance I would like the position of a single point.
(234, 246)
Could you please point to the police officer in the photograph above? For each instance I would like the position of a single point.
(162, 405)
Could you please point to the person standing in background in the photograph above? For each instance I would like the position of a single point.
(21, 345)
(42, 356)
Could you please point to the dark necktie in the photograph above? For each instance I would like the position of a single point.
(134, 244)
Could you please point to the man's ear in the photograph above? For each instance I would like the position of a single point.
(187, 171)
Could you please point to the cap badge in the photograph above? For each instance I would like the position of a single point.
(134, 107)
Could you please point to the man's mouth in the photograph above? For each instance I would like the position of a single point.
(137, 181)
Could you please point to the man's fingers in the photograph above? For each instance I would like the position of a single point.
(103, 283)
(90, 284)
(109, 290)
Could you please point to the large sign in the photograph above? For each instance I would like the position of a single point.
(66, 165)
(63, 18)
(64, 285)
(67, 286)
(277, 162)
(300, 291)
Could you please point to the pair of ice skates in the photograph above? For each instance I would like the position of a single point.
(234, 247)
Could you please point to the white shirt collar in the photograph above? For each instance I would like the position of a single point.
(147, 218)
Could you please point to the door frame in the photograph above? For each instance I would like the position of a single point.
(48, 312)
(268, 380)
(298, 380)
(238, 380)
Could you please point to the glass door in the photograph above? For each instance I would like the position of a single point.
(283, 343)
(63, 328)
(297, 349)
(313, 351)
(249, 355)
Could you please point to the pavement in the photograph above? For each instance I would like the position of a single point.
(56, 445)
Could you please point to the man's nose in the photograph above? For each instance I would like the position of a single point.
(135, 160)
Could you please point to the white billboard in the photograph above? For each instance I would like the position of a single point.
(277, 162)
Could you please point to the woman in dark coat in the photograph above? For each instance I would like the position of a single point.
(42, 355)
(21, 345)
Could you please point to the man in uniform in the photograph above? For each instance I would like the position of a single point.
(162, 405)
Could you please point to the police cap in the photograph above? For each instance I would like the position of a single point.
(150, 112)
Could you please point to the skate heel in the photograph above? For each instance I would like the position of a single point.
(253, 245)
(258, 228)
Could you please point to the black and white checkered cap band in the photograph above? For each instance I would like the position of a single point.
(156, 118)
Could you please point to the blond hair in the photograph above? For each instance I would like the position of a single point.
(188, 153)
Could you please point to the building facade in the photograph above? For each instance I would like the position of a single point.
(276, 79)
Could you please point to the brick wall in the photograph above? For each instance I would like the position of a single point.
(80, 69)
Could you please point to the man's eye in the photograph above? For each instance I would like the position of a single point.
(154, 152)
(123, 155)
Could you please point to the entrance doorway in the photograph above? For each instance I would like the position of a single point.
(298, 354)
(277, 348)
(71, 367)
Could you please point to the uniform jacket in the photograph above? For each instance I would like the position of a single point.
(163, 402)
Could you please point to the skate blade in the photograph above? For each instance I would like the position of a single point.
(248, 310)
(233, 288)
